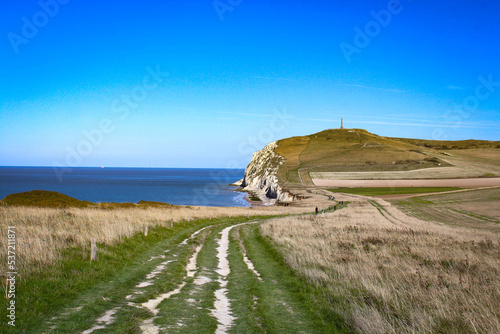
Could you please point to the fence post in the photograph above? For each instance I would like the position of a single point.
(93, 249)
(171, 222)
(146, 227)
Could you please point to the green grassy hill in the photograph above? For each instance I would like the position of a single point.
(42, 198)
(352, 150)
(53, 199)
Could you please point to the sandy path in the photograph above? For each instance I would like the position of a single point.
(466, 183)
(222, 306)
(250, 266)
(103, 321)
(398, 218)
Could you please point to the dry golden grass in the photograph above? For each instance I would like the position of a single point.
(396, 274)
(490, 155)
(42, 232)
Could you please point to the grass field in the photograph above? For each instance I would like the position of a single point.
(124, 289)
(43, 232)
(384, 273)
(474, 208)
(367, 268)
(391, 191)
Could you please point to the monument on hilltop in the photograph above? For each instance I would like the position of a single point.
(341, 123)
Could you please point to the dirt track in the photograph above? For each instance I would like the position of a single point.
(466, 183)
(229, 280)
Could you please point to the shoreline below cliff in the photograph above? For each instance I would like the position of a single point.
(255, 198)
(261, 176)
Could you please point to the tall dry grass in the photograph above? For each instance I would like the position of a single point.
(42, 232)
(395, 274)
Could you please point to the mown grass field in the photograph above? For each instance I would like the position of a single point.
(391, 190)
(473, 208)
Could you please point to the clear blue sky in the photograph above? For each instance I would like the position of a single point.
(85, 67)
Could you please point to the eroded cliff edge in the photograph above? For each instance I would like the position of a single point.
(261, 175)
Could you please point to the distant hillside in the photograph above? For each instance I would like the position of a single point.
(341, 150)
(357, 150)
(451, 144)
(46, 199)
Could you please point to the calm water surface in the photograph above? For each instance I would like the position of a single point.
(171, 185)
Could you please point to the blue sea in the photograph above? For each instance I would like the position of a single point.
(180, 186)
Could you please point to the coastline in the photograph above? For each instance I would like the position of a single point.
(262, 200)
(175, 186)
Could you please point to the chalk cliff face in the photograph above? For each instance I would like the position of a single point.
(261, 174)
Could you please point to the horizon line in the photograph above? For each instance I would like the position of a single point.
(104, 167)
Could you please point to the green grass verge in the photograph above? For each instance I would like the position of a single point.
(392, 190)
(286, 302)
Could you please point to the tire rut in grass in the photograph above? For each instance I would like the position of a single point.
(203, 304)
(152, 304)
(190, 310)
(282, 306)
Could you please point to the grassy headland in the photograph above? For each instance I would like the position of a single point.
(357, 150)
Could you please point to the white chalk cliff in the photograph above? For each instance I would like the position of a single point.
(261, 175)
